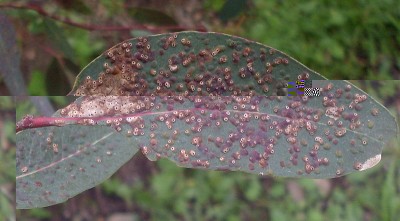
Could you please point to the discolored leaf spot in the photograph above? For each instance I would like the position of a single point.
(190, 63)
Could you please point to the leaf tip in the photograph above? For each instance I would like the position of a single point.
(371, 162)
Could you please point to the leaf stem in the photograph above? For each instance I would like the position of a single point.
(34, 122)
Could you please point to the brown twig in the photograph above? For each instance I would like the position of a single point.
(91, 27)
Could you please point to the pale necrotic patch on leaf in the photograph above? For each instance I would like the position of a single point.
(371, 162)
(108, 106)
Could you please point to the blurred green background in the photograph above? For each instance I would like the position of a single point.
(7, 158)
(357, 40)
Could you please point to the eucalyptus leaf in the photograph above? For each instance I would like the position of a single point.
(198, 109)
(191, 63)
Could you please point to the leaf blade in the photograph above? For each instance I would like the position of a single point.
(50, 172)
(341, 132)
(176, 62)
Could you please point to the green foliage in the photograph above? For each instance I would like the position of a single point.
(79, 40)
(389, 204)
(223, 196)
(215, 5)
(150, 16)
(37, 84)
(231, 9)
(7, 158)
(355, 39)
(58, 38)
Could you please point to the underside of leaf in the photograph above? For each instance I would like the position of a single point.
(340, 132)
(57, 163)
